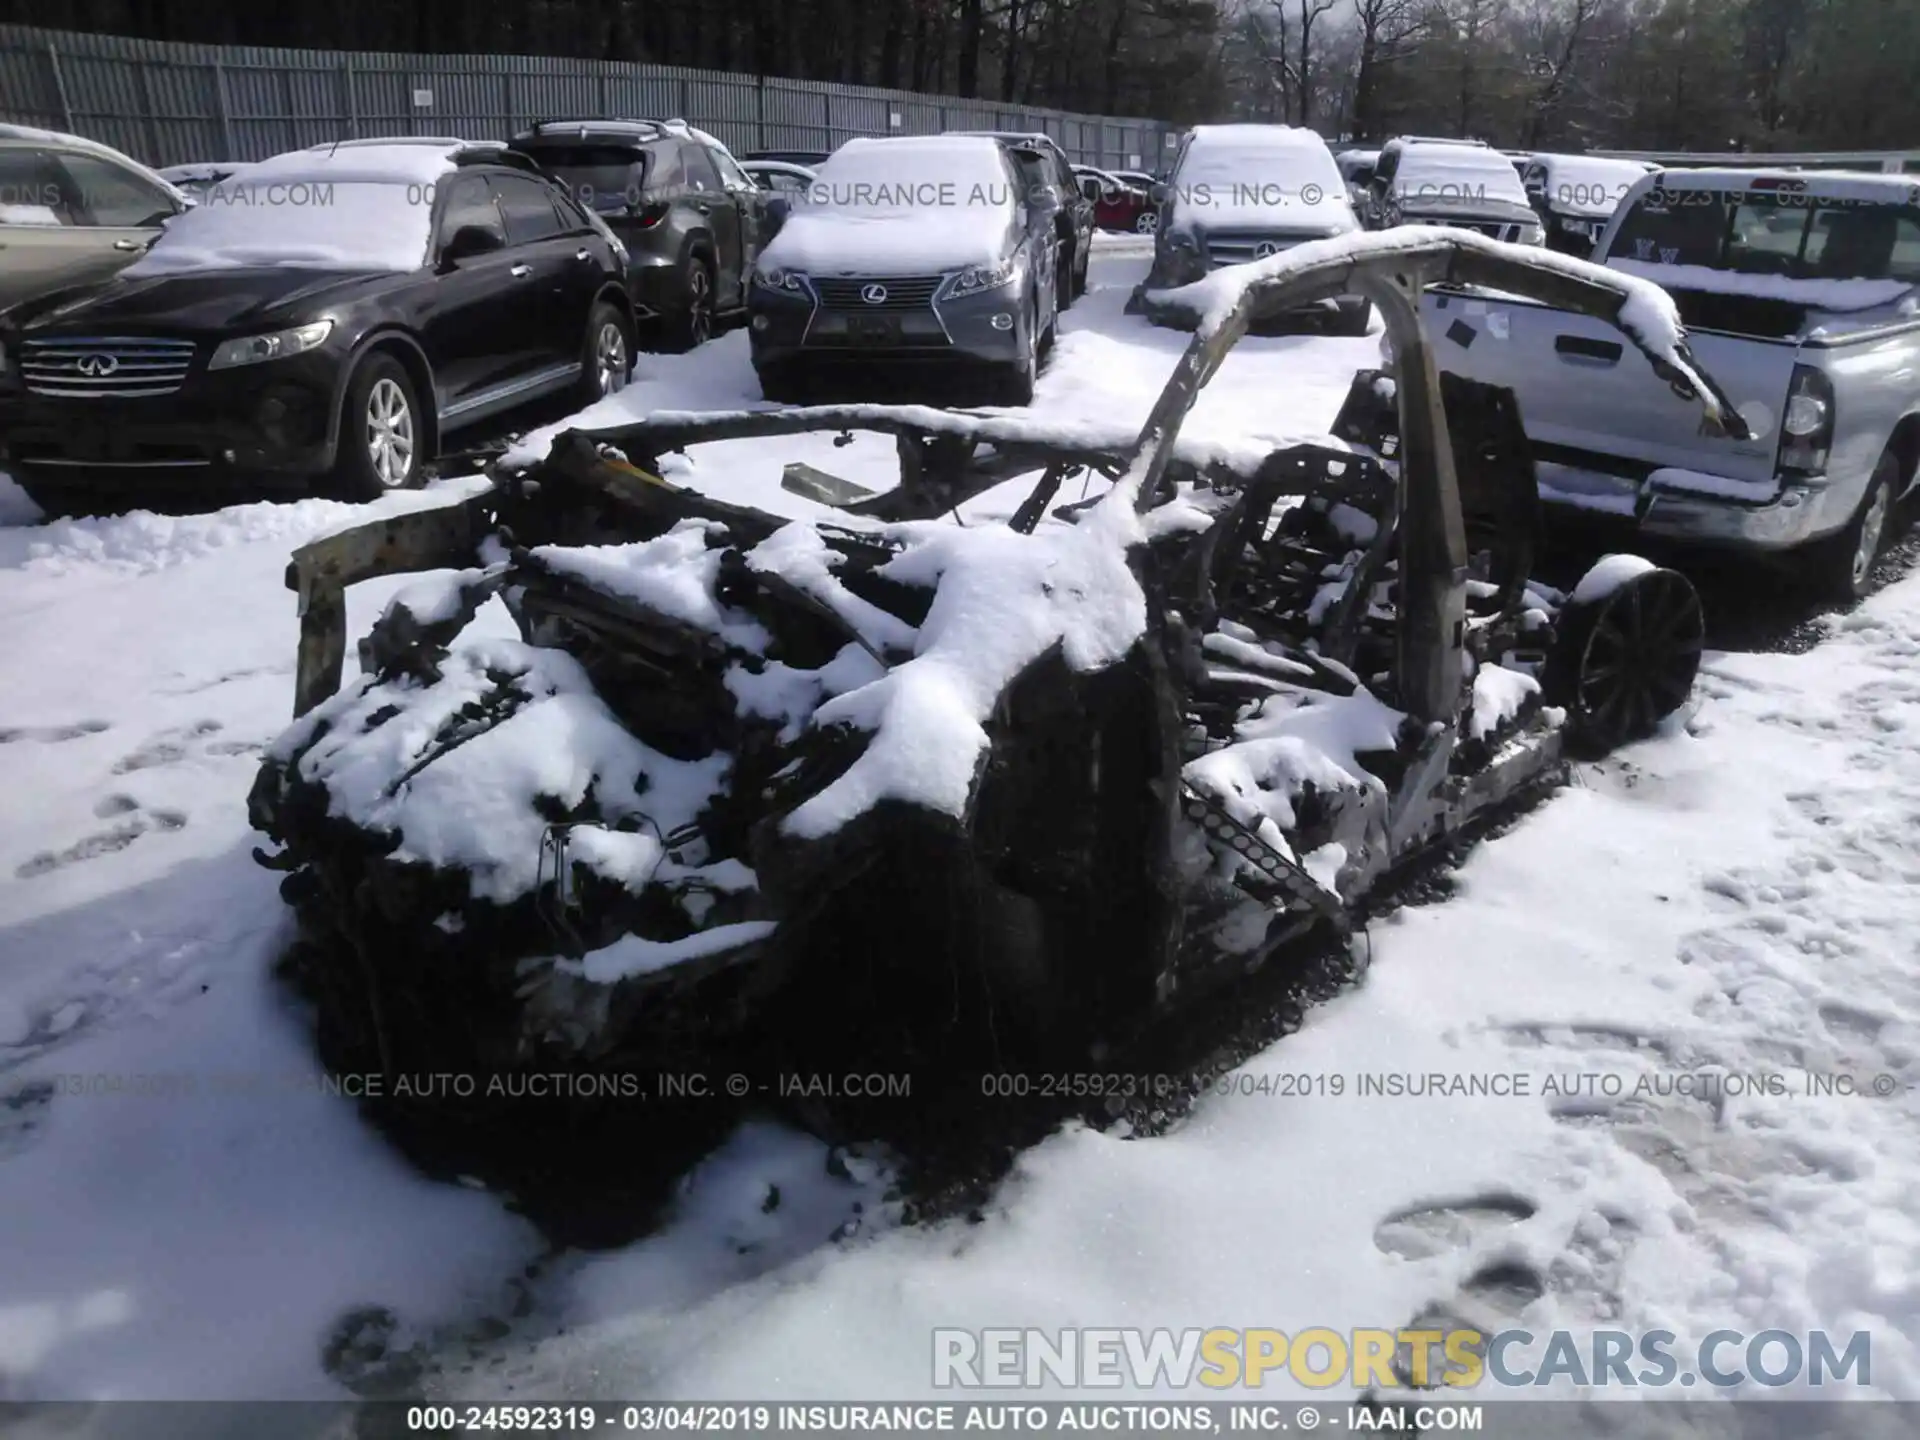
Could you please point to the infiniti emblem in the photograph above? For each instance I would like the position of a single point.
(874, 294)
(1264, 249)
(97, 366)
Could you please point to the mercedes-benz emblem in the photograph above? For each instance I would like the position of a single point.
(97, 367)
(1264, 249)
(874, 294)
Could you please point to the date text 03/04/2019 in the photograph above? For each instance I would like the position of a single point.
(917, 1418)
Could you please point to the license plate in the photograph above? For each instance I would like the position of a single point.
(875, 327)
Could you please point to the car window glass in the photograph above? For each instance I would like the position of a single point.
(701, 174)
(1678, 227)
(604, 178)
(731, 175)
(469, 202)
(102, 193)
(1092, 188)
(30, 190)
(666, 174)
(1864, 241)
(527, 209)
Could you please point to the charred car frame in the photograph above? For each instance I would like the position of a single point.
(781, 816)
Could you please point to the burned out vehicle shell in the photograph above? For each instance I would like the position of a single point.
(1222, 718)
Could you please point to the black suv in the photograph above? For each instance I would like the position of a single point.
(692, 220)
(1053, 186)
(320, 322)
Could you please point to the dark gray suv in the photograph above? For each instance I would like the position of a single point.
(692, 220)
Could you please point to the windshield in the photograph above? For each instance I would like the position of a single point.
(888, 177)
(1456, 175)
(603, 178)
(322, 224)
(1761, 233)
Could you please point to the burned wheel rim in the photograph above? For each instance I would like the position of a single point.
(1637, 657)
(390, 440)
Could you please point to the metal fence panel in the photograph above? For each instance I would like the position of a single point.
(170, 103)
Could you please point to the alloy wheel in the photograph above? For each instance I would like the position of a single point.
(390, 438)
(611, 362)
(699, 305)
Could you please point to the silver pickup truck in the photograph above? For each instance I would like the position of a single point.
(1800, 294)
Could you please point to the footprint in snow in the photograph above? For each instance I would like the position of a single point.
(23, 1114)
(1430, 1230)
(134, 822)
(52, 734)
(170, 747)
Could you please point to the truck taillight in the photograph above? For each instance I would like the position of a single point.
(1806, 429)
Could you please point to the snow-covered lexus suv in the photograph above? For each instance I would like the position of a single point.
(909, 252)
(1244, 192)
(319, 323)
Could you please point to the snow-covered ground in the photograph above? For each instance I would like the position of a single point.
(1740, 895)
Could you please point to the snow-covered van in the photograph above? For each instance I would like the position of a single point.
(1800, 293)
(1240, 193)
(1575, 195)
(1461, 184)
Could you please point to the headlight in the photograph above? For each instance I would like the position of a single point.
(1531, 235)
(976, 278)
(790, 280)
(252, 349)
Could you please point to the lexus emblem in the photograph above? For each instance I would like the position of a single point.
(874, 294)
(1264, 249)
(97, 367)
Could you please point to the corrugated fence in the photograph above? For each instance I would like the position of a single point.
(170, 103)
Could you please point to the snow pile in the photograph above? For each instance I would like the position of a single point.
(1830, 295)
(356, 208)
(1289, 744)
(672, 576)
(905, 206)
(1498, 696)
(463, 790)
(1003, 601)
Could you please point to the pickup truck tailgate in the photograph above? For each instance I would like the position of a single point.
(1591, 401)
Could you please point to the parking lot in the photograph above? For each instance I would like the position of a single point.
(1735, 896)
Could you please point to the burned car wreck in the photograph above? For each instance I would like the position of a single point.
(891, 793)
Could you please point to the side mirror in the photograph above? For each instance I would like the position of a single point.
(778, 208)
(1159, 192)
(469, 241)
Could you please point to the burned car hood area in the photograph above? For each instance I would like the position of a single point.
(892, 795)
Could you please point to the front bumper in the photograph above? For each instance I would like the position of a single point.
(1804, 510)
(271, 422)
(989, 327)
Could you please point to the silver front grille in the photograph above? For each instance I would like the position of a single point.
(105, 365)
(908, 292)
(1493, 230)
(1239, 249)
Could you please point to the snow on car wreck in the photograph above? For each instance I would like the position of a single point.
(888, 793)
